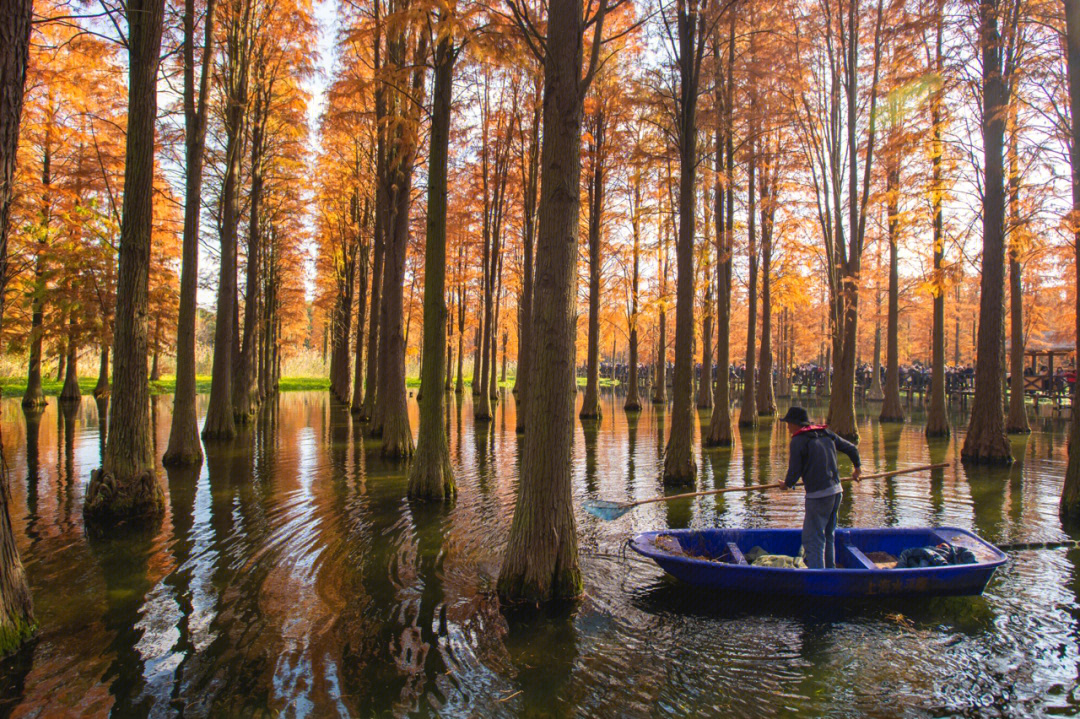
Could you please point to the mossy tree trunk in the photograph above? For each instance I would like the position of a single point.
(126, 486)
(986, 440)
(430, 476)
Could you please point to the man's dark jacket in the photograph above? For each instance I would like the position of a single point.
(812, 457)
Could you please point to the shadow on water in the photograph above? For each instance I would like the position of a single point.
(124, 558)
(542, 648)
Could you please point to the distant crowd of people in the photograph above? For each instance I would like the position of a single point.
(914, 376)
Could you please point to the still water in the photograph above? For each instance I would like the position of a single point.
(291, 576)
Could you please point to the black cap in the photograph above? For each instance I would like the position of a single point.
(796, 415)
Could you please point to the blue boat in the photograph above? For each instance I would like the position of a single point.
(716, 558)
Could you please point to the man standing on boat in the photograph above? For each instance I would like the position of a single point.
(812, 458)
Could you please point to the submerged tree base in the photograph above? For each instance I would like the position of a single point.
(932, 431)
(185, 457)
(522, 585)
(111, 500)
(397, 441)
(680, 467)
(431, 477)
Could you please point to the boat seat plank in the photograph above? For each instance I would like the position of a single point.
(737, 554)
(860, 557)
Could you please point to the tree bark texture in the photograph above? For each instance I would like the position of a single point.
(541, 560)
(430, 476)
(126, 486)
(1016, 422)
(17, 622)
(590, 405)
(719, 434)
(220, 416)
(892, 410)
(1070, 492)
(680, 464)
(937, 422)
(986, 441)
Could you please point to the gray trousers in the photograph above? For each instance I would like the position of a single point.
(819, 526)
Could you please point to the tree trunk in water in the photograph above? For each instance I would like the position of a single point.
(493, 382)
(877, 393)
(459, 385)
(530, 178)
(126, 486)
(705, 381)
(541, 560)
(719, 434)
(361, 309)
(937, 423)
(680, 465)
(102, 388)
(244, 404)
(766, 393)
(891, 409)
(633, 396)
(748, 410)
(155, 363)
(1070, 493)
(590, 405)
(34, 396)
(70, 391)
(16, 608)
(659, 394)
(986, 440)
(475, 383)
(61, 356)
(367, 410)
(220, 418)
(430, 475)
(1017, 420)
(391, 418)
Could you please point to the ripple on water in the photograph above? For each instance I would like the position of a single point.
(291, 575)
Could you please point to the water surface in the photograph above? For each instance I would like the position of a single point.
(290, 575)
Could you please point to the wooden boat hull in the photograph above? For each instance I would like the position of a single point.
(687, 555)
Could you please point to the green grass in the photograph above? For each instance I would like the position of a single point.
(16, 386)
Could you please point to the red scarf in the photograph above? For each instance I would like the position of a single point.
(812, 428)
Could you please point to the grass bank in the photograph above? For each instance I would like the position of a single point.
(16, 386)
